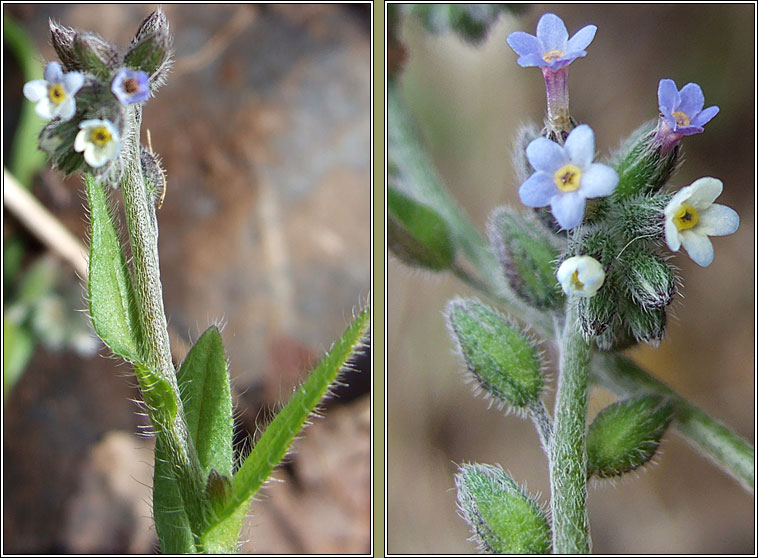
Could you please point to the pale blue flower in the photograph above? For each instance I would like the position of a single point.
(566, 176)
(54, 95)
(131, 86)
(683, 110)
(551, 48)
(691, 217)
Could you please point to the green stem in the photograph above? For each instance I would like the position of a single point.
(568, 449)
(156, 351)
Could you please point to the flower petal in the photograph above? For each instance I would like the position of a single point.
(582, 38)
(718, 220)
(705, 116)
(537, 190)
(598, 180)
(45, 108)
(72, 82)
(698, 247)
(67, 108)
(668, 96)
(552, 33)
(672, 236)
(524, 43)
(703, 192)
(566, 269)
(545, 155)
(35, 90)
(53, 72)
(529, 60)
(80, 142)
(568, 209)
(692, 99)
(580, 146)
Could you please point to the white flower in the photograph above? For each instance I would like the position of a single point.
(581, 275)
(691, 217)
(99, 140)
(54, 95)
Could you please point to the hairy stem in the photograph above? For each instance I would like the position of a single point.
(156, 351)
(568, 449)
(542, 423)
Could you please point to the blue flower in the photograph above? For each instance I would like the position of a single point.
(54, 95)
(566, 176)
(131, 86)
(551, 48)
(683, 110)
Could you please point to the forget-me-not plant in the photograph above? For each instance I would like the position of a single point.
(93, 99)
(595, 275)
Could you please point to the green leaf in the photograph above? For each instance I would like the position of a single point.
(158, 395)
(626, 434)
(276, 439)
(503, 359)
(171, 520)
(528, 253)
(206, 395)
(110, 290)
(417, 234)
(503, 517)
(18, 345)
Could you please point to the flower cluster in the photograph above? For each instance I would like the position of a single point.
(88, 95)
(614, 218)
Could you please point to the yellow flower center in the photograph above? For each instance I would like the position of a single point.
(685, 217)
(57, 94)
(681, 118)
(575, 282)
(100, 136)
(568, 178)
(551, 55)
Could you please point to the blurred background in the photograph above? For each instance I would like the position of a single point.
(264, 131)
(469, 101)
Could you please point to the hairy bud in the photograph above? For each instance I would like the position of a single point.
(62, 39)
(95, 55)
(150, 49)
(504, 519)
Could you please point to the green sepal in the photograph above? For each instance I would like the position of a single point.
(222, 537)
(171, 520)
(203, 381)
(110, 290)
(639, 217)
(504, 361)
(646, 325)
(279, 434)
(150, 49)
(626, 434)
(640, 166)
(528, 253)
(417, 234)
(95, 54)
(504, 519)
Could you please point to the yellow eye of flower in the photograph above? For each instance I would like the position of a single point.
(57, 94)
(575, 282)
(681, 119)
(551, 55)
(100, 136)
(568, 178)
(685, 217)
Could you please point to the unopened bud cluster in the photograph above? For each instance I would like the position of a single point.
(89, 96)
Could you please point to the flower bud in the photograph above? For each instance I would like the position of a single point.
(417, 234)
(626, 435)
(150, 49)
(504, 361)
(62, 39)
(95, 54)
(646, 325)
(155, 177)
(503, 517)
(641, 167)
(639, 216)
(528, 253)
(650, 281)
